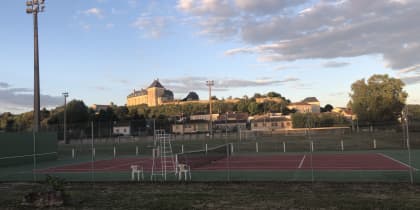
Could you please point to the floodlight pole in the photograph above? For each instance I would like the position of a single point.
(65, 94)
(34, 7)
(410, 169)
(210, 83)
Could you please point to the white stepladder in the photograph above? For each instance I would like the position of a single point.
(163, 158)
(136, 170)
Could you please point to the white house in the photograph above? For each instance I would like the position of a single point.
(121, 129)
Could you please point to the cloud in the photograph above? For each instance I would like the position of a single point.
(152, 27)
(94, 12)
(289, 30)
(266, 6)
(334, 64)
(410, 69)
(186, 84)
(219, 8)
(22, 99)
(4, 85)
(411, 80)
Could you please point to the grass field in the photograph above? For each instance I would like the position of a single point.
(220, 195)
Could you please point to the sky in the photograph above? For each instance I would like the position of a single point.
(99, 51)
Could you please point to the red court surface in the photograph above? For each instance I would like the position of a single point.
(332, 162)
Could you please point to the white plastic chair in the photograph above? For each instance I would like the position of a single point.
(184, 168)
(136, 170)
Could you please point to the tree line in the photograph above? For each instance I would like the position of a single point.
(378, 100)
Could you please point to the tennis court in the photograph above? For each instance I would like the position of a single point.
(333, 162)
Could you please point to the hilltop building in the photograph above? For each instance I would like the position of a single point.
(154, 95)
(307, 105)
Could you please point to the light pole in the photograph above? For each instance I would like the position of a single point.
(210, 83)
(65, 94)
(34, 7)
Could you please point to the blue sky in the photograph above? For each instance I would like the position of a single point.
(100, 50)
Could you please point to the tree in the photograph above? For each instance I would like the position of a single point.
(327, 108)
(253, 108)
(273, 94)
(379, 99)
(192, 96)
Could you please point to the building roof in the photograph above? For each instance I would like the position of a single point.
(168, 94)
(156, 84)
(310, 99)
(141, 92)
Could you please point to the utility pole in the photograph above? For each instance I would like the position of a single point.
(34, 7)
(65, 94)
(210, 83)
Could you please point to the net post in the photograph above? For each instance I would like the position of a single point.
(342, 145)
(206, 148)
(72, 153)
(231, 148)
(182, 148)
(137, 150)
(374, 143)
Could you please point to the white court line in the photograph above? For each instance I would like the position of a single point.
(408, 166)
(22, 156)
(301, 161)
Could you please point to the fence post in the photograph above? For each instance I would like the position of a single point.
(137, 150)
(72, 153)
(182, 148)
(256, 146)
(374, 143)
(115, 152)
(312, 146)
(342, 145)
(206, 148)
(284, 146)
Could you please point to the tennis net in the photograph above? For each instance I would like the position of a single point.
(200, 158)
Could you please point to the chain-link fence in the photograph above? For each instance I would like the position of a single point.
(97, 151)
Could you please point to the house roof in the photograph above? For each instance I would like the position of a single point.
(141, 92)
(310, 99)
(156, 84)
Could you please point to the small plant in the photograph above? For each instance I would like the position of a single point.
(52, 194)
(56, 183)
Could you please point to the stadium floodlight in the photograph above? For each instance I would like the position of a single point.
(34, 7)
